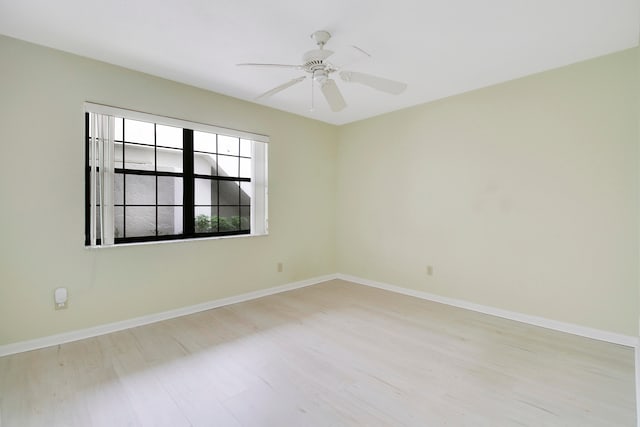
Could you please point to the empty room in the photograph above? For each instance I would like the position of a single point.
(338, 213)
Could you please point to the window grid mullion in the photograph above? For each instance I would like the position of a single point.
(239, 189)
(188, 188)
(217, 183)
(155, 167)
(124, 182)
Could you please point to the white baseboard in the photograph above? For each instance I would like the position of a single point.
(19, 347)
(66, 337)
(637, 366)
(597, 334)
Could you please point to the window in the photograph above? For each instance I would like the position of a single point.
(152, 178)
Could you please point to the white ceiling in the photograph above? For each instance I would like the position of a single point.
(439, 47)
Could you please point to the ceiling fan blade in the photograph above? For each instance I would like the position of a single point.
(332, 94)
(346, 57)
(384, 85)
(253, 64)
(280, 88)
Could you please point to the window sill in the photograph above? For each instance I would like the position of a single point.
(161, 242)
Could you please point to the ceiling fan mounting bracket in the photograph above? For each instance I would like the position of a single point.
(321, 38)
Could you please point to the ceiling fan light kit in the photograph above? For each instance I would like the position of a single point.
(315, 63)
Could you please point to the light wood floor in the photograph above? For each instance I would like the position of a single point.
(335, 354)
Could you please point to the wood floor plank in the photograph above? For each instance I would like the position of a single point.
(334, 354)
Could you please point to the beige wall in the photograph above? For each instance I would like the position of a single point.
(42, 194)
(523, 196)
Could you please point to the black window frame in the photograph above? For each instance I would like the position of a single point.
(188, 179)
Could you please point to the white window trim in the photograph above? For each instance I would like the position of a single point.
(259, 202)
(90, 107)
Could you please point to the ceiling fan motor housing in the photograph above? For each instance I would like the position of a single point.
(314, 60)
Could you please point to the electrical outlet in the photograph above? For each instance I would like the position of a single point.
(429, 270)
(280, 267)
(60, 298)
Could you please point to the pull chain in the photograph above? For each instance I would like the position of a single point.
(312, 91)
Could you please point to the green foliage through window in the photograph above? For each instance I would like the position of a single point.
(207, 224)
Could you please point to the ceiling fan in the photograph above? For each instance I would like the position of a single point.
(315, 63)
